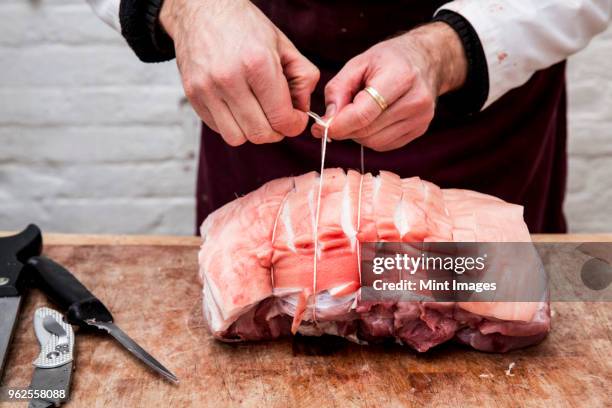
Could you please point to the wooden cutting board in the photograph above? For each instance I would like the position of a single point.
(151, 286)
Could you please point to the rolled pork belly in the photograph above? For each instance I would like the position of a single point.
(258, 271)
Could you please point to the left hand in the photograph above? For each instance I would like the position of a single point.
(409, 71)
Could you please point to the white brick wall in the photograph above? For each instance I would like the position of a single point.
(589, 201)
(92, 140)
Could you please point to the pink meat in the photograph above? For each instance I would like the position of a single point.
(257, 262)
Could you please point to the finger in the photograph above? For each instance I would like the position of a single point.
(239, 99)
(250, 116)
(301, 74)
(413, 106)
(196, 99)
(341, 89)
(207, 118)
(317, 129)
(272, 93)
(364, 109)
(226, 123)
(394, 136)
(395, 113)
(271, 89)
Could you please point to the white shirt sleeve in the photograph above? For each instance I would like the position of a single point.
(108, 11)
(520, 37)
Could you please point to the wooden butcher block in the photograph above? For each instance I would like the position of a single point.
(151, 286)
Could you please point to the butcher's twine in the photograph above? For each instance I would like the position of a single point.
(324, 140)
(325, 125)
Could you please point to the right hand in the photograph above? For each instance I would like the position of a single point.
(242, 75)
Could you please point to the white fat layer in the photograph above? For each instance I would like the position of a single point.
(213, 321)
(326, 303)
(425, 194)
(330, 328)
(312, 205)
(400, 218)
(283, 292)
(217, 321)
(206, 225)
(286, 304)
(346, 218)
(377, 183)
(286, 220)
(338, 289)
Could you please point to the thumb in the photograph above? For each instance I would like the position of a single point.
(302, 75)
(342, 88)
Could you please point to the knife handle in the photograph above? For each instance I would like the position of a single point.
(14, 252)
(66, 290)
(55, 350)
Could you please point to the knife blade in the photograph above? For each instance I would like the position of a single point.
(14, 251)
(53, 366)
(8, 319)
(134, 348)
(84, 309)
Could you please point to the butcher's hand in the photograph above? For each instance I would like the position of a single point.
(409, 71)
(243, 77)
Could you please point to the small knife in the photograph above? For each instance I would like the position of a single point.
(84, 309)
(53, 366)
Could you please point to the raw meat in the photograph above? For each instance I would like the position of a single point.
(257, 262)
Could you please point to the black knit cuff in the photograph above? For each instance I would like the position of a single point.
(141, 28)
(472, 96)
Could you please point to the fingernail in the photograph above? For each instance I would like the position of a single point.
(330, 110)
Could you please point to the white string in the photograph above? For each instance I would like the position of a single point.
(318, 119)
(324, 140)
(318, 209)
(359, 221)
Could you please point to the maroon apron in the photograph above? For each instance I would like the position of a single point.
(515, 149)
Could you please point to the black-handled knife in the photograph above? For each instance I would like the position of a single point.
(14, 251)
(84, 309)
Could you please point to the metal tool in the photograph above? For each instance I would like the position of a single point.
(53, 366)
(14, 252)
(84, 309)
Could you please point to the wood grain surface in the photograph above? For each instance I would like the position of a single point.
(151, 287)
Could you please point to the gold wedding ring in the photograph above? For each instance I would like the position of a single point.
(380, 101)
